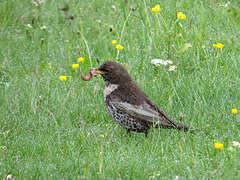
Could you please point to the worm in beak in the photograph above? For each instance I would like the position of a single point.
(92, 72)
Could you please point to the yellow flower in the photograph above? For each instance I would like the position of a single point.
(81, 59)
(156, 8)
(114, 42)
(181, 16)
(234, 111)
(180, 35)
(119, 47)
(75, 66)
(218, 146)
(101, 136)
(203, 46)
(63, 78)
(218, 45)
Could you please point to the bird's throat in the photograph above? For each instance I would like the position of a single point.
(109, 88)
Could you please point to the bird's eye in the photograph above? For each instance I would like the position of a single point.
(107, 70)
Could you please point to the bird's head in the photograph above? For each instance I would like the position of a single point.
(113, 72)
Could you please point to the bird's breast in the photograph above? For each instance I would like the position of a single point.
(109, 88)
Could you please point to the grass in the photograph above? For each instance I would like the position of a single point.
(53, 130)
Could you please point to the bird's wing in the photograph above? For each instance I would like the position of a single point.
(143, 112)
(165, 119)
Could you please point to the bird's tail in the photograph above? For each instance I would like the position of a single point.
(180, 126)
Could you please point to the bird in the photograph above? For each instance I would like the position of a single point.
(128, 105)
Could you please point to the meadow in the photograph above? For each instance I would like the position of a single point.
(59, 129)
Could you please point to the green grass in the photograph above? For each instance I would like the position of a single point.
(55, 127)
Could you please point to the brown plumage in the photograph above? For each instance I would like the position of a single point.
(128, 105)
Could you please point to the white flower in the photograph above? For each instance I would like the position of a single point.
(29, 25)
(225, 5)
(172, 68)
(37, 3)
(4, 148)
(158, 62)
(154, 176)
(114, 7)
(9, 177)
(6, 132)
(176, 178)
(43, 27)
(236, 144)
(188, 45)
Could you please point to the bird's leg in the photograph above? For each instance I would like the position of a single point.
(181, 116)
(128, 133)
(146, 134)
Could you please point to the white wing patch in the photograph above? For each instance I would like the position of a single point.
(139, 112)
(109, 89)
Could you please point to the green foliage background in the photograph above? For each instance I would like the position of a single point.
(51, 129)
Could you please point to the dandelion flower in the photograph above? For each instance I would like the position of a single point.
(114, 42)
(101, 136)
(234, 111)
(181, 16)
(203, 46)
(218, 45)
(218, 146)
(119, 47)
(63, 78)
(75, 66)
(156, 8)
(81, 59)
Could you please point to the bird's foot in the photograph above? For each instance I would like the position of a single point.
(128, 133)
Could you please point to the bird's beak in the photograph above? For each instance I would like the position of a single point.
(95, 72)
(99, 72)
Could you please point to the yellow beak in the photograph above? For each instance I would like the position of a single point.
(99, 72)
